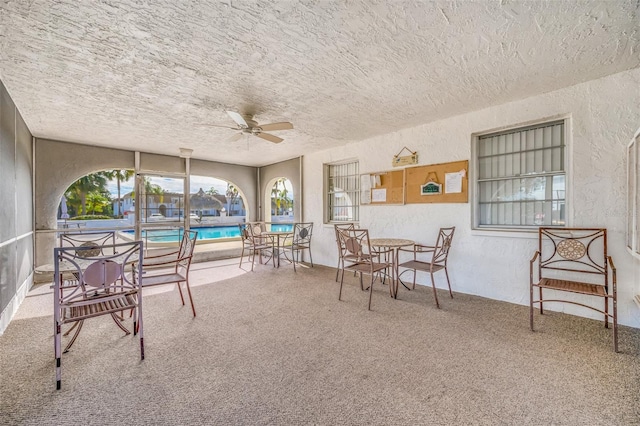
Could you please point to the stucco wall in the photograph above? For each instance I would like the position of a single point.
(604, 115)
(16, 226)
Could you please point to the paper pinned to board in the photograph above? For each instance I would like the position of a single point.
(379, 195)
(453, 182)
(365, 189)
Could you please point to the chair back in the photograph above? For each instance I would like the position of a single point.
(302, 234)
(185, 253)
(99, 280)
(254, 233)
(576, 250)
(355, 245)
(341, 227)
(93, 244)
(443, 245)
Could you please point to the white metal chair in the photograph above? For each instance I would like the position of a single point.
(103, 286)
(172, 268)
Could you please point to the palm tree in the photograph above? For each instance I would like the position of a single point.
(232, 194)
(120, 176)
(92, 182)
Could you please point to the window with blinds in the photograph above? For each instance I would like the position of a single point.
(342, 188)
(521, 177)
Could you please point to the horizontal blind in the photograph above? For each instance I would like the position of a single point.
(521, 177)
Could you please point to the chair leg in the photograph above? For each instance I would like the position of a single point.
(118, 322)
(241, 256)
(531, 307)
(541, 310)
(293, 258)
(57, 348)
(370, 290)
(310, 256)
(75, 335)
(341, 280)
(448, 282)
(180, 291)
(193, 309)
(606, 312)
(615, 325)
(435, 293)
(415, 273)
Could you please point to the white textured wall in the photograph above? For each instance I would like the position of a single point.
(604, 114)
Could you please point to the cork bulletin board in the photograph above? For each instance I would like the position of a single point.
(438, 183)
(384, 188)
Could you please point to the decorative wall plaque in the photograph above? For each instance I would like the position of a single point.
(432, 186)
(405, 160)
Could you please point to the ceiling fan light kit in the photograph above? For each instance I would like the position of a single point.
(246, 125)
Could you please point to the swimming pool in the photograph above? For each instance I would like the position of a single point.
(205, 233)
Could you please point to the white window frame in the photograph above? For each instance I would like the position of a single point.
(633, 198)
(355, 192)
(528, 228)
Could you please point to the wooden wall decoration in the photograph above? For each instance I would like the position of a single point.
(454, 178)
(387, 188)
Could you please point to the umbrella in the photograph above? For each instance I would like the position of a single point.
(64, 214)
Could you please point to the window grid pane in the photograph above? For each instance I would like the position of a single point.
(343, 192)
(521, 177)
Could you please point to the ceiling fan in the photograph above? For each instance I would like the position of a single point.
(246, 125)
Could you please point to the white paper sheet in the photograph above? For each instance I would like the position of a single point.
(365, 189)
(379, 195)
(453, 182)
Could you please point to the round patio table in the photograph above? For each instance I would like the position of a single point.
(394, 244)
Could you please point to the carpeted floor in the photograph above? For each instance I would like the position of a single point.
(277, 347)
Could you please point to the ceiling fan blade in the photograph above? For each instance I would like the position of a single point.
(217, 125)
(276, 126)
(238, 119)
(269, 137)
(235, 137)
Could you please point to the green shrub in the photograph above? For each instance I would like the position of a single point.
(91, 217)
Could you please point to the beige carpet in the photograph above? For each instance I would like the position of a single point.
(277, 347)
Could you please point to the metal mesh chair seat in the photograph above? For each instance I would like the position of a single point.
(95, 307)
(573, 286)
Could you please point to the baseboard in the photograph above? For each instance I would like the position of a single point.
(8, 313)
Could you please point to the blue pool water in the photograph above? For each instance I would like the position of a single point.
(204, 233)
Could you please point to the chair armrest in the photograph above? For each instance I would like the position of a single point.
(419, 248)
(531, 262)
(408, 249)
(171, 253)
(164, 263)
(613, 272)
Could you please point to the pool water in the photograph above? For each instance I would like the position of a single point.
(204, 233)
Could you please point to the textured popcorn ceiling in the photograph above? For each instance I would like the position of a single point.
(147, 75)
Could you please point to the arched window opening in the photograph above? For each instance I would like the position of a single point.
(282, 201)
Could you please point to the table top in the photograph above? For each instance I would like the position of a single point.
(390, 242)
